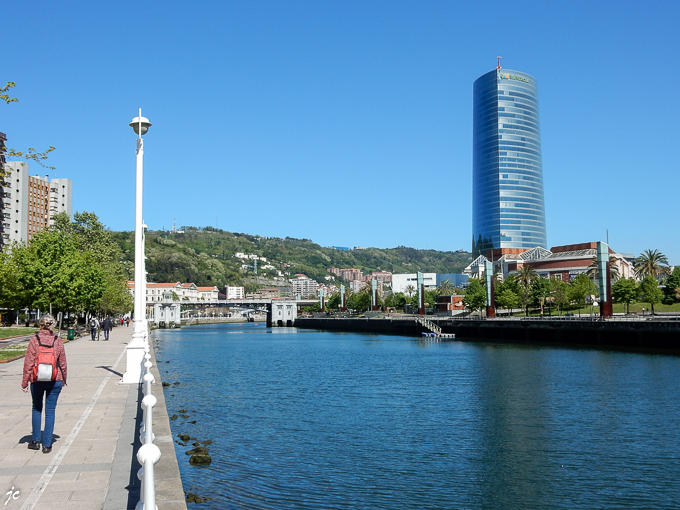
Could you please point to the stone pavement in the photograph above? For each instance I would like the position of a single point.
(93, 460)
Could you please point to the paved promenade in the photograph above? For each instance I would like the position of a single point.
(92, 464)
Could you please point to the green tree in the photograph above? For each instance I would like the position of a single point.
(61, 276)
(579, 288)
(560, 295)
(506, 292)
(625, 291)
(540, 291)
(651, 263)
(31, 153)
(672, 290)
(92, 237)
(116, 297)
(359, 301)
(650, 291)
(474, 297)
(431, 298)
(399, 300)
(14, 293)
(507, 299)
(524, 276)
(333, 302)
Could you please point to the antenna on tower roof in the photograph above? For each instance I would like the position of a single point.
(499, 63)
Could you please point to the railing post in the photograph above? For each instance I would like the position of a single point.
(148, 454)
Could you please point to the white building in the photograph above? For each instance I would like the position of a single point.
(401, 281)
(234, 292)
(61, 198)
(32, 201)
(207, 293)
(356, 285)
(304, 287)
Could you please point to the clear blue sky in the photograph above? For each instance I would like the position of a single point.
(348, 122)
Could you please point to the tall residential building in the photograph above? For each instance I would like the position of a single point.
(34, 200)
(303, 286)
(5, 195)
(508, 209)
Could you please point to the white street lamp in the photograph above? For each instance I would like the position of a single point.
(135, 349)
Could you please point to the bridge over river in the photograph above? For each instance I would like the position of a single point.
(167, 311)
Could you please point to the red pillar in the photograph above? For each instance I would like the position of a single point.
(606, 308)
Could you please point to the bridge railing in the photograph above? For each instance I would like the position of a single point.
(148, 454)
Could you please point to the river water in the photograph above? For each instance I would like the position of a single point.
(319, 420)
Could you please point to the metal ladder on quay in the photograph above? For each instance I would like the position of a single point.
(434, 328)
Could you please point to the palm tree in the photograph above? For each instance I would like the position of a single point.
(445, 288)
(651, 263)
(614, 274)
(525, 275)
(409, 290)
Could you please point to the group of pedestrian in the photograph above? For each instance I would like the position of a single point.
(97, 326)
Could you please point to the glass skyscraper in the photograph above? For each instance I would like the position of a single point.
(508, 209)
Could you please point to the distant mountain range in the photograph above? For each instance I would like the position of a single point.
(207, 257)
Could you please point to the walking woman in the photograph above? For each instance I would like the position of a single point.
(44, 346)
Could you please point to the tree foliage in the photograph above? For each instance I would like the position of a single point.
(651, 263)
(64, 270)
(540, 291)
(581, 287)
(206, 257)
(475, 295)
(31, 153)
(625, 291)
(672, 290)
(650, 291)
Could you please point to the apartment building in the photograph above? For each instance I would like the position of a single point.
(31, 202)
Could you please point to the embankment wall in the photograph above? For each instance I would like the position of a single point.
(644, 334)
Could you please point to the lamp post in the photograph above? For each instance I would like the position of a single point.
(135, 349)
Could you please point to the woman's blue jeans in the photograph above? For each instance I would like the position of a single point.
(51, 390)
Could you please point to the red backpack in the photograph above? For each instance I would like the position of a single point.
(45, 368)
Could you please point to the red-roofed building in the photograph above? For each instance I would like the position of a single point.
(176, 291)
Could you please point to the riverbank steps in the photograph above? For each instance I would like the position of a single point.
(93, 462)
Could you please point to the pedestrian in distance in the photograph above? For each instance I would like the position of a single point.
(107, 326)
(45, 369)
(127, 322)
(94, 327)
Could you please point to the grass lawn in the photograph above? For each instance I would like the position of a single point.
(635, 308)
(12, 351)
(8, 332)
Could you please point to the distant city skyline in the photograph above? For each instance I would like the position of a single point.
(347, 123)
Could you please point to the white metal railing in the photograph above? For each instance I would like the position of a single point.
(149, 454)
(429, 325)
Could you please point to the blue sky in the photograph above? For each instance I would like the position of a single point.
(347, 122)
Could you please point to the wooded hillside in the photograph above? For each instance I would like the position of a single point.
(206, 257)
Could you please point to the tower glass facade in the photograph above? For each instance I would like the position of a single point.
(508, 208)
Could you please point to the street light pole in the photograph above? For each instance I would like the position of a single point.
(135, 349)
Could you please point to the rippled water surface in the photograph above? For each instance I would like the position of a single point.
(319, 420)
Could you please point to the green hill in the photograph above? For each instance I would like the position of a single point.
(206, 257)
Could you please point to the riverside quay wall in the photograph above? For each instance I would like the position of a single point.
(656, 334)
